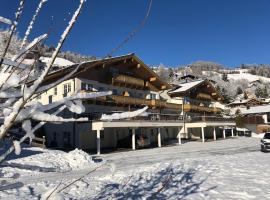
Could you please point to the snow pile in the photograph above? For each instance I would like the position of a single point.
(78, 159)
(54, 160)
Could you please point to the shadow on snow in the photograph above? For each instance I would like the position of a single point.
(175, 183)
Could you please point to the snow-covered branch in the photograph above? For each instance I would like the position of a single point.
(124, 115)
(30, 27)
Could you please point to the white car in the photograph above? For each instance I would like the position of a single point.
(265, 142)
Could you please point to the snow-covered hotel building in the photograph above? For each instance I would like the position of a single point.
(134, 86)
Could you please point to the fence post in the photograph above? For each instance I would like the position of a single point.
(43, 142)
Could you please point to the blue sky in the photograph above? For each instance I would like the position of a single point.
(177, 32)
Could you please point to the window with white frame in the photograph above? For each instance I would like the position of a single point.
(55, 91)
(86, 86)
(153, 96)
(67, 89)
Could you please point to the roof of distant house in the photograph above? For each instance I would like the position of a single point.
(183, 87)
(255, 109)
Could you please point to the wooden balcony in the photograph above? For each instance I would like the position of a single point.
(203, 96)
(127, 80)
(153, 103)
(195, 108)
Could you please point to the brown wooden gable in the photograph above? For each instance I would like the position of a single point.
(131, 68)
(204, 91)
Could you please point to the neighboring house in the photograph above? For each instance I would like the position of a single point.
(256, 118)
(245, 103)
(134, 86)
(200, 98)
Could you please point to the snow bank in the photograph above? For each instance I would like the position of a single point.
(54, 159)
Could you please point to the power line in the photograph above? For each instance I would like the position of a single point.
(134, 31)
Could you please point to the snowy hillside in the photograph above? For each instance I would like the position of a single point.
(249, 77)
(233, 83)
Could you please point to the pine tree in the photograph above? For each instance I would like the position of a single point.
(264, 92)
(239, 91)
(259, 92)
(225, 77)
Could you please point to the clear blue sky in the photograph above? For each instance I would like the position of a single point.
(229, 32)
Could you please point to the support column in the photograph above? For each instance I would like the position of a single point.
(186, 132)
(159, 137)
(214, 133)
(179, 135)
(202, 129)
(224, 133)
(98, 142)
(133, 139)
(232, 132)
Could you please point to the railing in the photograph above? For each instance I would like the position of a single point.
(39, 142)
(210, 119)
(36, 141)
(139, 101)
(95, 116)
(204, 96)
(127, 80)
(192, 107)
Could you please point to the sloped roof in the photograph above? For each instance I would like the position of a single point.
(144, 71)
(183, 87)
(244, 101)
(255, 109)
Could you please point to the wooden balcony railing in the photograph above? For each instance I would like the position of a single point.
(139, 101)
(204, 96)
(195, 108)
(155, 103)
(128, 80)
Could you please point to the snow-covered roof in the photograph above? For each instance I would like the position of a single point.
(186, 86)
(256, 109)
(58, 61)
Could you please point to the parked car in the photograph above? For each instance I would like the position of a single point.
(141, 142)
(265, 142)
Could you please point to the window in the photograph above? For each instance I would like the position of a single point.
(83, 86)
(87, 86)
(50, 99)
(66, 139)
(67, 89)
(153, 96)
(55, 91)
(268, 117)
(101, 89)
(114, 91)
(102, 135)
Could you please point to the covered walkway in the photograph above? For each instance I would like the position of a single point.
(182, 127)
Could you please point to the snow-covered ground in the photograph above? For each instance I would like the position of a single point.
(225, 169)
